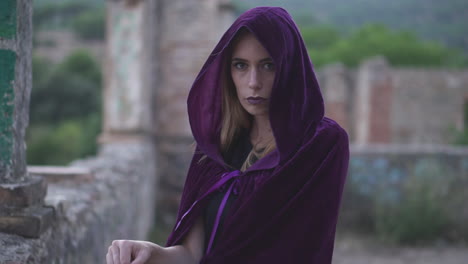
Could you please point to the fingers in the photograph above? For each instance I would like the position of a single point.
(115, 252)
(122, 251)
(142, 257)
(125, 252)
(119, 252)
(109, 258)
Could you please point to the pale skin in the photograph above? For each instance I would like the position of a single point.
(253, 73)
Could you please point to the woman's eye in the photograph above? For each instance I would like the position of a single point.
(269, 66)
(239, 65)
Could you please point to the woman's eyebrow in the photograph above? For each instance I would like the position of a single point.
(238, 59)
(266, 59)
(243, 60)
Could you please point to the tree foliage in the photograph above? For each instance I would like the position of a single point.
(85, 18)
(70, 89)
(65, 109)
(401, 48)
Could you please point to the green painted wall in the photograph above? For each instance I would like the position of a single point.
(7, 104)
(7, 18)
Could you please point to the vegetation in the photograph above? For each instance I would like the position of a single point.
(85, 18)
(406, 200)
(402, 48)
(65, 110)
(419, 217)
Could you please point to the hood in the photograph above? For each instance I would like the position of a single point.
(296, 103)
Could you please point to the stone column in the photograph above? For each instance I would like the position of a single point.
(130, 69)
(131, 78)
(373, 101)
(21, 195)
(337, 94)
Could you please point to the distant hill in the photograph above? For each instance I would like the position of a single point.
(443, 21)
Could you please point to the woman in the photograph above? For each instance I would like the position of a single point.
(265, 182)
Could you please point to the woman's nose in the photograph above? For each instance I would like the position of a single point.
(254, 82)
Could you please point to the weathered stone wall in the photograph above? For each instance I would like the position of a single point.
(378, 103)
(427, 103)
(115, 201)
(424, 184)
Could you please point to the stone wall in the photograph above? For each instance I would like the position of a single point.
(427, 103)
(114, 198)
(421, 185)
(377, 103)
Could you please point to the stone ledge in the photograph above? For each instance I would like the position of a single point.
(408, 149)
(54, 174)
(23, 194)
(30, 222)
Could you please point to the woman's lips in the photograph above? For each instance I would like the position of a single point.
(255, 100)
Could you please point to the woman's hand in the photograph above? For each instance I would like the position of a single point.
(131, 252)
(143, 252)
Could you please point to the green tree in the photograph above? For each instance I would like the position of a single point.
(71, 89)
(65, 109)
(64, 142)
(401, 48)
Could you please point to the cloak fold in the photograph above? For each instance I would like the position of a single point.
(288, 201)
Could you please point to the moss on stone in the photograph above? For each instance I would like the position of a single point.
(7, 69)
(7, 18)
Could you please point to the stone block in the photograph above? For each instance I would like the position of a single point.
(30, 222)
(23, 194)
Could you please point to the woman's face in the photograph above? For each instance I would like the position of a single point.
(253, 73)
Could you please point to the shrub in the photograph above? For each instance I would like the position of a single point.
(65, 110)
(71, 89)
(59, 144)
(420, 216)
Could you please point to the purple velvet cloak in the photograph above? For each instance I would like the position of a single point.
(288, 201)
